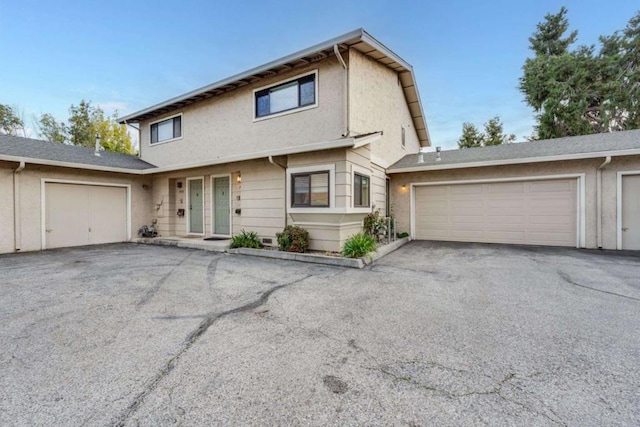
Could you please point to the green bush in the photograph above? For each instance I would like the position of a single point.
(374, 223)
(359, 245)
(293, 239)
(246, 239)
(403, 235)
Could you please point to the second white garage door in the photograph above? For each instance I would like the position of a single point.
(77, 215)
(523, 212)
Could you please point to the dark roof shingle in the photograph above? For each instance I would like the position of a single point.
(597, 143)
(44, 150)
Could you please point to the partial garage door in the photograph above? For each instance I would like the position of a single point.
(77, 215)
(524, 212)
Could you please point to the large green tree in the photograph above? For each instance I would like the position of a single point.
(493, 135)
(581, 90)
(51, 130)
(10, 121)
(85, 122)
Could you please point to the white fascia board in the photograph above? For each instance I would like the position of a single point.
(46, 162)
(326, 145)
(577, 156)
(365, 140)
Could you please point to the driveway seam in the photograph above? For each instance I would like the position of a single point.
(565, 276)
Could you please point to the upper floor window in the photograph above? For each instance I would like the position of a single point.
(288, 96)
(310, 189)
(166, 130)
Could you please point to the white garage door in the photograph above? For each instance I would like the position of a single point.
(524, 212)
(77, 215)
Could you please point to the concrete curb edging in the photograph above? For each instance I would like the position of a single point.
(323, 259)
(158, 241)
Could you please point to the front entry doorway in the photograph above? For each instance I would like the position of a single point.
(221, 206)
(196, 206)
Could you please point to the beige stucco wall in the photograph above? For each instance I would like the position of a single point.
(30, 236)
(259, 195)
(6, 207)
(609, 196)
(223, 126)
(377, 103)
(400, 198)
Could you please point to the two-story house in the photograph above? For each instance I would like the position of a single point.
(301, 140)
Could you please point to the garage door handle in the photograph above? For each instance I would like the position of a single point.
(48, 231)
(624, 229)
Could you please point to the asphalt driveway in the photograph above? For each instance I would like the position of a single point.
(435, 333)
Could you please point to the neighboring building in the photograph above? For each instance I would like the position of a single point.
(581, 191)
(317, 139)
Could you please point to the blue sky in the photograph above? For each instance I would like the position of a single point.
(467, 55)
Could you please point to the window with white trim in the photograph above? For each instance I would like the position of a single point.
(310, 189)
(166, 130)
(361, 190)
(287, 96)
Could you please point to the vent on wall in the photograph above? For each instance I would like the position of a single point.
(267, 241)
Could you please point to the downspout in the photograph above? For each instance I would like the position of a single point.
(345, 87)
(599, 200)
(17, 229)
(139, 138)
(285, 186)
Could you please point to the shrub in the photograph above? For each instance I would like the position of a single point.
(403, 235)
(374, 223)
(246, 239)
(293, 239)
(358, 245)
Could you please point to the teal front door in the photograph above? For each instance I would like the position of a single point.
(196, 203)
(221, 206)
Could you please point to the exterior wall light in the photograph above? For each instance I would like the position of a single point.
(239, 179)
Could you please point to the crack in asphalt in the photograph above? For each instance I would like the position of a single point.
(496, 390)
(565, 276)
(151, 292)
(191, 339)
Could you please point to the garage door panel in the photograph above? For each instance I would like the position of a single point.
(108, 213)
(466, 219)
(510, 203)
(459, 190)
(79, 214)
(504, 188)
(506, 236)
(526, 212)
(67, 216)
(504, 220)
(466, 235)
(466, 204)
(553, 186)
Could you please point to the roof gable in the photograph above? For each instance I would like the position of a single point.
(358, 39)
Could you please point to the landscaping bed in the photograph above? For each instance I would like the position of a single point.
(331, 258)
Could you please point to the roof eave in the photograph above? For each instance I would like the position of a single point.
(356, 34)
(58, 163)
(577, 156)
